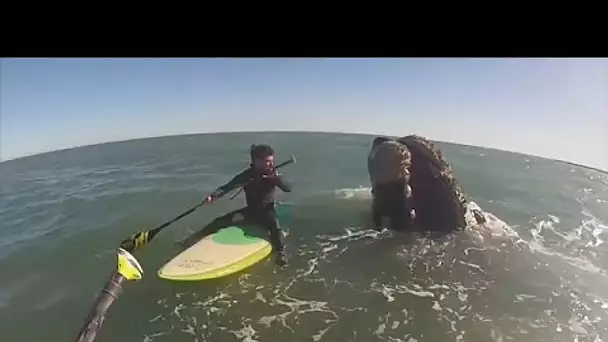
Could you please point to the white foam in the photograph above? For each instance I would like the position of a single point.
(360, 193)
(493, 231)
(319, 335)
(150, 337)
(524, 297)
(496, 335)
(474, 266)
(353, 234)
(245, 334)
(380, 329)
(592, 227)
(298, 306)
(389, 291)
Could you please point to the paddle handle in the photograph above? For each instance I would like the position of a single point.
(287, 162)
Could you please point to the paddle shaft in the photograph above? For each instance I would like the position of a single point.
(106, 298)
(156, 230)
(287, 162)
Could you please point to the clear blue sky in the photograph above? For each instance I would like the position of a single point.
(556, 108)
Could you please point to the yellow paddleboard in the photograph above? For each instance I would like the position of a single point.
(228, 251)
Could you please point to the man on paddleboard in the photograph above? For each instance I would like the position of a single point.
(259, 182)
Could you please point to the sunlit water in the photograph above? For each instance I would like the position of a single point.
(535, 272)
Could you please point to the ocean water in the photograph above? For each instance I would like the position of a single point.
(536, 272)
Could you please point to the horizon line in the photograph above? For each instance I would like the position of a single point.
(294, 131)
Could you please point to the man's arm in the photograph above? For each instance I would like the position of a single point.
(283, 184)
(236, 181)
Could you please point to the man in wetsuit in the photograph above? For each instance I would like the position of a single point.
(259, 182)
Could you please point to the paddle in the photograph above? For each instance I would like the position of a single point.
(142, 238)
(128, 268)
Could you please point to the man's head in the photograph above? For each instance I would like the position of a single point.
(262, 157)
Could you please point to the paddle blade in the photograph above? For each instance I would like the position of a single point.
(128, 266)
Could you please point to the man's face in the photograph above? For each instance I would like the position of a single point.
(264, 164)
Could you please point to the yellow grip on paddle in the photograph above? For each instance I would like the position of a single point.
(141, 239)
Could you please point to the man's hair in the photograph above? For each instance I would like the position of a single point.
(260, 151)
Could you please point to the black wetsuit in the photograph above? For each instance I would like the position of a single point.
(260, 209)
(259, 188)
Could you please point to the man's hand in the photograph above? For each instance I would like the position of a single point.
(210, 198)
(274, 173)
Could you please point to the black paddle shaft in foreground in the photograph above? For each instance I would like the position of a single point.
(109, 294)
(127, 268)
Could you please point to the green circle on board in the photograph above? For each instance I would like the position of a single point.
(234, 236)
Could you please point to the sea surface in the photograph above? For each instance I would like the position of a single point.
(536, 272)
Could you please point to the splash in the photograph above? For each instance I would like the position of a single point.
(570, 249)
(494, 232)
(360, 193)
